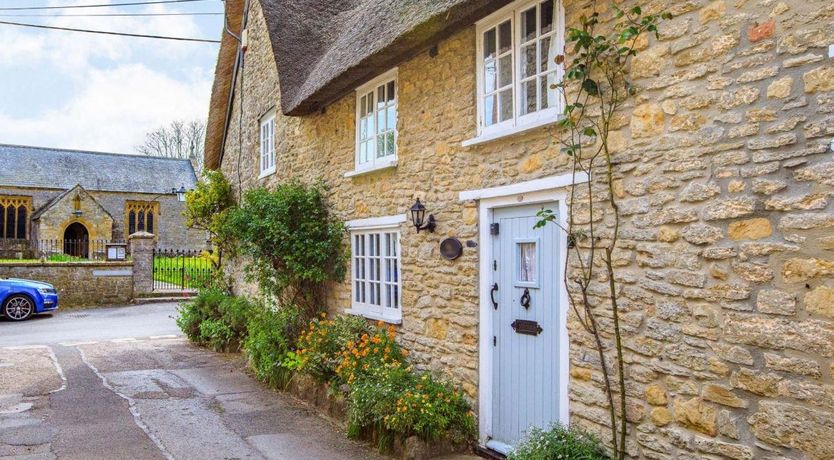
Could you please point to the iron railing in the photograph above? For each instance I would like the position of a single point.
(70, 250)
(181, 269)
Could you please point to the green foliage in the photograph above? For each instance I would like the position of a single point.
(374, 397)
(216, 334)
(559, 442)
(216, 319)
(431, 409)
(320, 347)
(207, 206)
(386, 397)
(292, 240)
(374, 350)
(272, 335)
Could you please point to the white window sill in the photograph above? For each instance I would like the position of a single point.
(380, 167)
(267, 173)
(511, 131)
(372, 316)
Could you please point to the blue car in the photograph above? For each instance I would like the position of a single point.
(20, 299)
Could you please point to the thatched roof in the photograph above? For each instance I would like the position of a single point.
(324, 49)
(223, 81)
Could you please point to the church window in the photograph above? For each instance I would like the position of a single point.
(14, 217)
(140, 216)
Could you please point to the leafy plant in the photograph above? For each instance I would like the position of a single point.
(320, 347)
(431, 409)
(559, 442)
(374, 397)
(271, 337)
(292, 241)
(207, 208)
(372, 351)
(216, 334)
(206, 305)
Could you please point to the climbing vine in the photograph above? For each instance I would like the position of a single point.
(596, 79)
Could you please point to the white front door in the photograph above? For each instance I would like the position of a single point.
(525, 323)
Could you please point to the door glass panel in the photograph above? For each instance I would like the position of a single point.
(527, 262)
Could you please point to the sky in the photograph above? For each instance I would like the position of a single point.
(98, 92)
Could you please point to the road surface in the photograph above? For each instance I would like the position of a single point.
(121, 383)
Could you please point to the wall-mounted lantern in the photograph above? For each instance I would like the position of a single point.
(418, 218)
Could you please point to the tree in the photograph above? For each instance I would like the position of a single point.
(180, 139)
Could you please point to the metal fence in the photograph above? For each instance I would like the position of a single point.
(180, 269)
(70, 250)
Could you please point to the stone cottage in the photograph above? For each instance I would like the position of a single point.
(724, 174)
(54, 200)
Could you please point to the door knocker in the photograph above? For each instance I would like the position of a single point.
(525, 298)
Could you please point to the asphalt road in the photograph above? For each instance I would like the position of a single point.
(120, 383)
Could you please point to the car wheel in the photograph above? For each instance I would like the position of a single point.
(18, 308)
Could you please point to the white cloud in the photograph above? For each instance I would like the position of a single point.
(121, 87)
(112, 111)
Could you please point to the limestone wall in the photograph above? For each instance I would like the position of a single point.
(80, 284)
(725, 179)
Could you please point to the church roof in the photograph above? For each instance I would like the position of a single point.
(38, 167)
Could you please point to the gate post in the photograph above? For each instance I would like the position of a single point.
(142, 245)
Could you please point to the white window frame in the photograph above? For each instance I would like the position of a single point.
(389, 161)
(518, 123)
(266, 142)
(363, 228)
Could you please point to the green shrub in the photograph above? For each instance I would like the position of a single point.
(559, 442)
(272, 335)
(293, 243)
(206, 305)
(372, 351)
(216, 319)
(374, 397)
(217, 335)
(432, 409)
(320, 347)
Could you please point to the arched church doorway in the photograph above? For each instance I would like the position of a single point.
(76, 240)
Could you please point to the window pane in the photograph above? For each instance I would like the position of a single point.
(527, 262)
(489, 43)
(547, 19)
(547, 52)
(21, 222)
(2, 221)
(528, 24)
(528, 97)
(528, 60)
(549, 95)
(370, 102)
(10, 211)
(489, 76)
(150, 222)
(362, 108)
(390, 141)
(380, 146)
(380, 97)
(506, 102)
(505, 37)
(505, 71)
(391, 91)
(141, 221)
(490, 111)
(380, 120)
(131, 223)
(392, 117)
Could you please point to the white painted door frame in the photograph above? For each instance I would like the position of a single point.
(546, 190)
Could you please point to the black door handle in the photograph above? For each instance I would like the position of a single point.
(492, 296)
